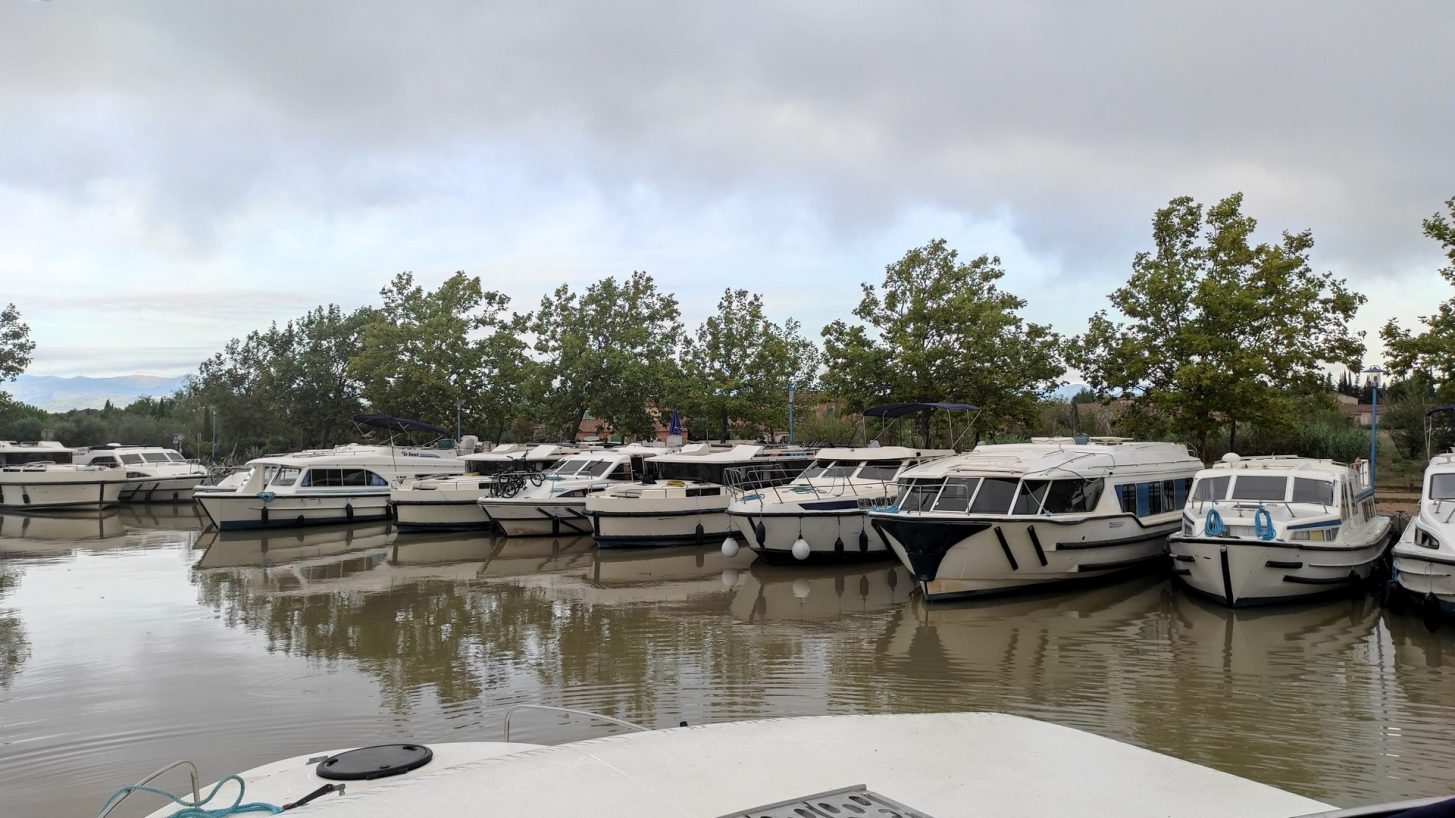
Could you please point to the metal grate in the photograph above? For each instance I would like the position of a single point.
(849, 802)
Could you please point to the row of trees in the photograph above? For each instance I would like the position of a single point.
(1212, 332)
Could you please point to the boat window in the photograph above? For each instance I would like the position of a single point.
(839, 468)
(623, 471)
(17, 458)
(154, 457)
(1260, 487)
(1306, 490)
(1211, 488)
(284, 476)
(175, 457)
(917, 495)
(131, 459)
(1028, 500)
(1442, 487)
(880, 470)
(104, 460)
(995, 495)
(1072, 496)
(955, 496)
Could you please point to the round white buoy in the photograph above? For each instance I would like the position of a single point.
(801, 589)
(729, 548)
(801, 549)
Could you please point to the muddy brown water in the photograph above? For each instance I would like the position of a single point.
(134, 638)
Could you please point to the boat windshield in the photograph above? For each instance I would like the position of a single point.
(283, 476)
(994, 496)
(581, 467)
(1442, 487)
(1075, 496)
(917, 495)
(154, 457)
(1260, 487)
(831, 468)
(1211, 488)
(175, 457)
(1317, 492)
(879, 470)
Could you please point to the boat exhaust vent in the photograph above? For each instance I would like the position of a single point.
(844, 803)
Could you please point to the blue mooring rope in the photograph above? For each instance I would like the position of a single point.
(195, 809)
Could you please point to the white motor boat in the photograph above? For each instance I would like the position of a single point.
(819, 516)
(929, 764)
(1026, 516)
(554, 503)
(452, 502)
(340, 485)
(153, 474)
(43, 475)
(682, 498)
(1424, 557)
(1259, 530)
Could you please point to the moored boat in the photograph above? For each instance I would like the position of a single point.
(1022, 516)
(451, 502)
(44, 475)
(554, 503)
(681, 499)
(1260, 530)
(345, 484)
(153, 474)
(1424, 557)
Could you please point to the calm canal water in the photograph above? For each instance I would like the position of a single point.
(134, 638)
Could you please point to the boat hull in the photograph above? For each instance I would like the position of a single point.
(666, 521)
(49, 489)
(835, 535)
(1428, 578)
(231, 512)
(1241, 572)
(161, 489)
(967, 557)
(518, 517)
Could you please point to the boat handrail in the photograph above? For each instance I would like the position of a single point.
(191, 771)
(571, 710)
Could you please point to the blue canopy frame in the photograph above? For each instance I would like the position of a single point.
(399, 424)
(896, 410)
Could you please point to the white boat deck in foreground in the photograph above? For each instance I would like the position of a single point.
(941, 765)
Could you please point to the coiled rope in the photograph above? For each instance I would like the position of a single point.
(197, 809)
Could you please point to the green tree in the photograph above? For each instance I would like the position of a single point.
(423, 352)
(610, 351)
(739, 365)
(939, 329)
(1432, 351)
(1218, 329)
(15, 350)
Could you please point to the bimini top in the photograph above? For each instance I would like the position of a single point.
(522, 452)
(896, 410)
(1058, 459)
(1444, 407)
(736, 453)
(399, 424)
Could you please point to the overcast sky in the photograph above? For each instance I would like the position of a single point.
(173, 174)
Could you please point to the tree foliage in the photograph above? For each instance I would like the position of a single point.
(1218, 329)
(423, 354)
(1431, 351)
(15, 349)
(739, 365)
(939, 329)
(610, 351)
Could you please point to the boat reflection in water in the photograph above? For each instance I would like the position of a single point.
(172, 516)
(59, 532)
(804, 593)
(294, 559)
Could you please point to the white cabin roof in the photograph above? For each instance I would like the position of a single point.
(1058, 459)
(7, 446)
(354, 454)
(880, 453)
(1288, 464)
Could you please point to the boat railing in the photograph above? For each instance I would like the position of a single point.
(743, 479)
(572, 711)
(128, 792)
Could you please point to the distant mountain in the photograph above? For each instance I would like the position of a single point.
(1068, 391)
(59, 394)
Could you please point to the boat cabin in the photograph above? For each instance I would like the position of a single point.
(45, 451)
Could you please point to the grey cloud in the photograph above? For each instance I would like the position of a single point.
(1079, 119)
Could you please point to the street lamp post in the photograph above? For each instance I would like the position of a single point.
(1374, 373)
(790, 412)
